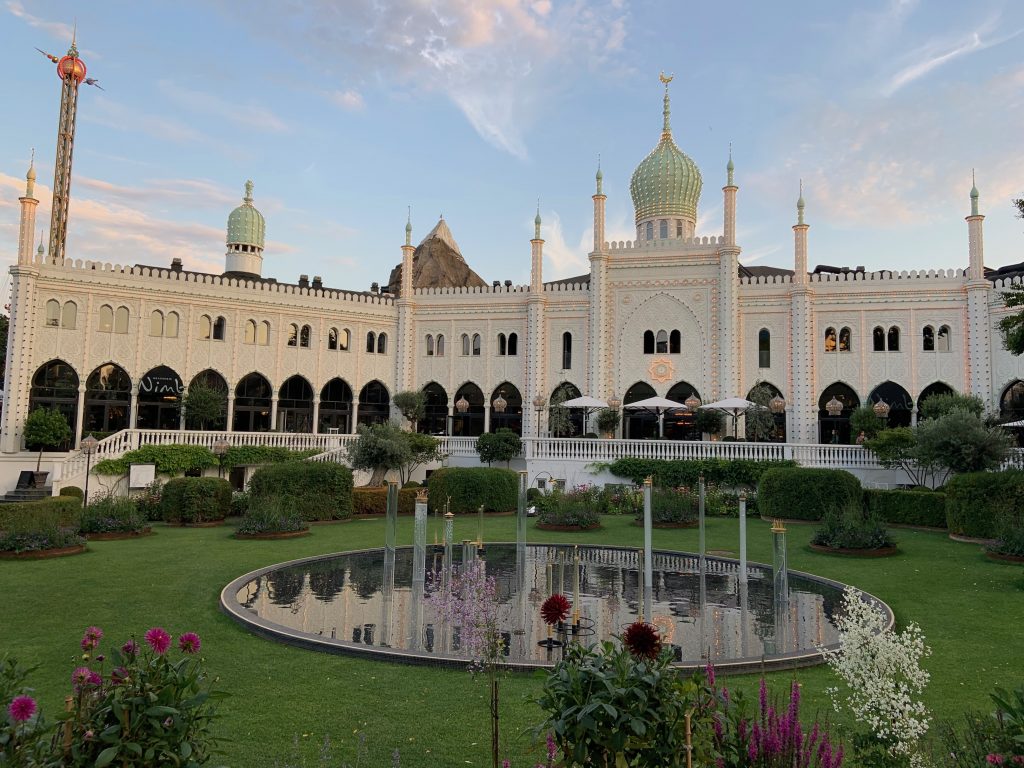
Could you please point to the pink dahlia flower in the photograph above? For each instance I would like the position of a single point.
(158, 640)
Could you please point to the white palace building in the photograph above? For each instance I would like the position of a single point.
(672, 313)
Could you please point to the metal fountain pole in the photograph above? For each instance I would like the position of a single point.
(390, 538)
(648, 597)
(419, 566)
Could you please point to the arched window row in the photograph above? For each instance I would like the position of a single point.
(376, 343)
(212, 327)
(165, 325)
(885, 341)
(339, 339)
(932, 341)
(61, 316)
(662, 342)
(508, 345)
(666, 228)
(472, 345)
(257, 332)
(299, 336)
(435, 345)
(841, 342)
(113, 320)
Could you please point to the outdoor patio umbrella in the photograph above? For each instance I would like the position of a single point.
(1008, 424)
(657, 405)
(588, 404)
(735, 407)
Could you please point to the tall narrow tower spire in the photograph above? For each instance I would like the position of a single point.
(27, 226)
(666, 128)
(71, 71)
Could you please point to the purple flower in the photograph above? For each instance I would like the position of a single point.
(95, 678)
(80, 677)
(552, 748)
(22, 708)
(158, 640)
(506, 764)
(189, 642)
(119, 676)
(709, 673)
(130, 648)
(763, 697)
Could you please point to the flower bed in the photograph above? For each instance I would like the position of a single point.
(28, 545)
(573, 510)
(272, 517)
(113, 517)
(853, 532)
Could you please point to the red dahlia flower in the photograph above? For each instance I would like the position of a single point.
(555, 609)
(642, 640)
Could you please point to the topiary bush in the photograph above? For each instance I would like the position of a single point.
(72, 490)
(50, 523)
(470, 487)
(979, 504)
(674, 473)
(113, 514)
(915, 507)
(320, 490)
(371, 500)
(193, 500)
(271, 514)
(803, 493)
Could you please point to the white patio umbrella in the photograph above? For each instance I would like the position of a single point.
(735, 407)
(657, 405)
(588, 404)
(1008, 424)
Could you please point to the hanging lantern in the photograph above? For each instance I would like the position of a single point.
(499, 404)
(834, 406)
(692, 402)
(614, 403)
(462, 404)
(881, 409)
(539, 401)
(777, 404)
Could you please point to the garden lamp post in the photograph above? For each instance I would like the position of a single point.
(220, 448)
(88, 446)
(538, 405)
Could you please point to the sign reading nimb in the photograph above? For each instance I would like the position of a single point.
(161, 381)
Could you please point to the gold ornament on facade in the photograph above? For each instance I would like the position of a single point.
(662, 369)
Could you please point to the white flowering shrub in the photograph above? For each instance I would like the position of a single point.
(883, 676)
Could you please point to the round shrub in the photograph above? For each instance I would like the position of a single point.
(113, 514)
(192, 500)
(470, 487)
(72, 490)
(979, 504)
(271, 514)
(320, 490)
(373, 500)
(802, 493)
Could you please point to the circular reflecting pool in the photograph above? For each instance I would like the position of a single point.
(357, 602)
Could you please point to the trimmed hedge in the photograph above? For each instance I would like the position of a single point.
(917, 507)
(320, 490)
(190, 500)
(804, 493)
(72, 490)
(674, 473)
(982, 504)
(469, 487)
(47, 514)
(373, 500)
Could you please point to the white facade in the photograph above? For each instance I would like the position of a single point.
(589, 332)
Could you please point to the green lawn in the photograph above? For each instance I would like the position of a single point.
(971, 611)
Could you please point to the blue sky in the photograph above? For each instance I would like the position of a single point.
(346, 113)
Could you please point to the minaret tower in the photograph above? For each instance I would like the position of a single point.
(979, 342)
(405, 358)
(71, 71)
(801, 422)
(536, 303)
(27, 227)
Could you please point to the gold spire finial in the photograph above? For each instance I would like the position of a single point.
(666, 79)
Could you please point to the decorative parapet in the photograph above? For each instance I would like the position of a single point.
(566, 287)
(860, 277)
(460, 290)
(670, 243)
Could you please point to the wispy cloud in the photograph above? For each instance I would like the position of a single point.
(250, 115)
(349, 99)
(56, 28)
(114, 114)
(936, 54)
(497, 62)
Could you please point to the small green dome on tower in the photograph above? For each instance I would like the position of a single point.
(246, 225)
(667, 182)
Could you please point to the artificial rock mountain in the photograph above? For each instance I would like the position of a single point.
(437, 262)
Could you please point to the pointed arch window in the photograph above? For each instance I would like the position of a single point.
(650, 230)
(293, 335)
(928, 339)
(430, 345)
(513, 344)
(69, 315)
(465, 344)
(502, 344)
(304, 336)
(830, 339)
(893, 339)
(566, 351)
(476, 345)
(106, 319)
(663, 229)
(250, 331)
(764, 348)
(648, 342)
(371, 342)
(332, 338)
(382, 344)
(344, 339)
(156, 323)
(661, 343)
(171, 325)
(121, 320)
(205, 327)
(53, 313)
(878, 339)
(263, 333)
(218, 329)
(942, 341)
(845, 340)
(679, 228)
(440, 345)
(674, 343)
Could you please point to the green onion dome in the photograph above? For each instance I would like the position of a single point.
(246, 225)
(667, 183)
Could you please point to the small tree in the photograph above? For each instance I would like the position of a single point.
(760, 422)
(379, 449)
(205, 406)
(412, 404)
(864, 420)
(961, 442)
(503, 445)
(710, 421)
(608, 420)
(423, 449)
(45, 428)
(559, 422)
(937, 406)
